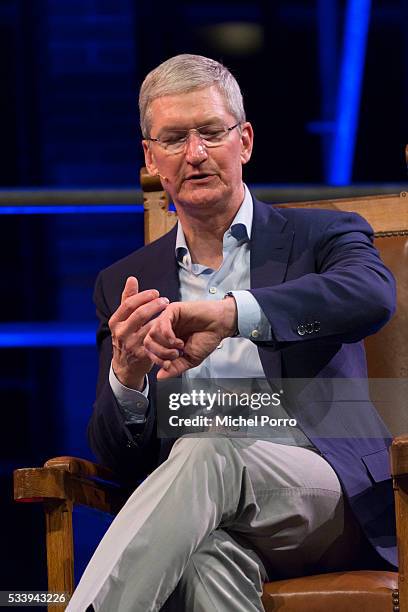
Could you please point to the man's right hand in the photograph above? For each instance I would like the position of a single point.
(129, 325)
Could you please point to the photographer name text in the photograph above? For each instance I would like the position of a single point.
(230, 421)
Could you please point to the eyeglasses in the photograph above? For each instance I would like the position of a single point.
(173, 141)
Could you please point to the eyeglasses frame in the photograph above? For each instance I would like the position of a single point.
(227, 130)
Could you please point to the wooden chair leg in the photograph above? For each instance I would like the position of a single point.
(60, 548)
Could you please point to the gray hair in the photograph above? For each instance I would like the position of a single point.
(183, 73)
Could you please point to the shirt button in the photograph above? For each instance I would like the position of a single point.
(213, 290)
(254, 333)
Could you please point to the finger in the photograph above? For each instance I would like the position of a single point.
(131, 288)
(144, 330)
(145, 313)
(138, 325)
(171, 369)
(158, 350)
(160, 362)
(162, 332)
(141, 334)
(132, 303)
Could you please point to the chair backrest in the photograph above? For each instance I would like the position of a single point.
(387, 350)
(158, 219)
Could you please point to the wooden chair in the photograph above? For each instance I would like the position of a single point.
(65, 481)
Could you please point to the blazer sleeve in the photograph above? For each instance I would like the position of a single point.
(130, 450)
(337, 289)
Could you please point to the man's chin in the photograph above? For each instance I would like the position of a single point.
(202, 195)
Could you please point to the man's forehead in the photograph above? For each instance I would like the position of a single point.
(194, 108)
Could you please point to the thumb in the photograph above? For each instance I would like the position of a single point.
(131, 287)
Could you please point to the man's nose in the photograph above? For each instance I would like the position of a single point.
(195, 151)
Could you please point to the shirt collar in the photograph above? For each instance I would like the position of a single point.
(240, 228)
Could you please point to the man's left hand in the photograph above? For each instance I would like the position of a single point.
(187, 332)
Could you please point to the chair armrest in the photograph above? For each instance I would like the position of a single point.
(61, 483)
(81, 467)
(77, 481)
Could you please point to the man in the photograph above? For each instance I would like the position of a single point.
(238, 290)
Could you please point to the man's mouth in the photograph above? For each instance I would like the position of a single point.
(199, 176)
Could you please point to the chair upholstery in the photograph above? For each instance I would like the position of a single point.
(64, 481)
(365, 591)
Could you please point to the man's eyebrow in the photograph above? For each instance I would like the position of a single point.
(209, 121)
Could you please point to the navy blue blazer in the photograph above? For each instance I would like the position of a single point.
(320, 282)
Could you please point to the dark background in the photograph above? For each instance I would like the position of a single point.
(70, 72)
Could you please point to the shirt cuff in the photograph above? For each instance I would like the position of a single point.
(133, 403)
(252, 322)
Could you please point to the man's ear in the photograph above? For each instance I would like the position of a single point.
(247, 142)
(149, 159)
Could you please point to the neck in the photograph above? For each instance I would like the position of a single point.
(205, 243)
(204, 232)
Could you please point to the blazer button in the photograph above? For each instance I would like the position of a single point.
(309, 328)
(316, 326)
(301, 330)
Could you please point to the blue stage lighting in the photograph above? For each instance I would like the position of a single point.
(349, 92)
(77, 209)
(53, 334)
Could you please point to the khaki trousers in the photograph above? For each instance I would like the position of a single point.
(215, 520)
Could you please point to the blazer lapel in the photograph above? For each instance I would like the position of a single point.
(271, 243)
